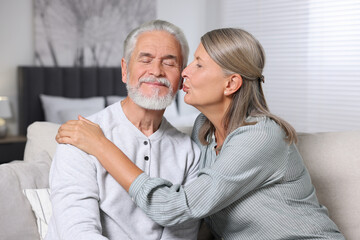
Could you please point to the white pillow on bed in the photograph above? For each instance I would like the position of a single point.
(113, 99)
(71, 114)
(61, 109)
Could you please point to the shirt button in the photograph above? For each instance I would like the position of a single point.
(145, 142)
(146, 158)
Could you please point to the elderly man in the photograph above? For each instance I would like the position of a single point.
(87, 202)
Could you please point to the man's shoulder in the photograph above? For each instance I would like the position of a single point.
(71, 161)
(68, 152)
(106, 118)
(100, 115)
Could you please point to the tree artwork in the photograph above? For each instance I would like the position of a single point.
(86, 32)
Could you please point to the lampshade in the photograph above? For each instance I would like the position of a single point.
(5, 110)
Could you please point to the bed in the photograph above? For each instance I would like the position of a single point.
(81, 83)
(68, 82)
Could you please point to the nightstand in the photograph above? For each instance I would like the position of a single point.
(12, 148)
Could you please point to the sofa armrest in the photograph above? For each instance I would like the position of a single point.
(17, 218)
(40, 138)
(333, 161)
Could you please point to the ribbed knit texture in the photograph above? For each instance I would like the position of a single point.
(256, 188)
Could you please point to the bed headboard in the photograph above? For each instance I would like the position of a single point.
(68, 82)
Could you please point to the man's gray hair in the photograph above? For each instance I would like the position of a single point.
(156, 25)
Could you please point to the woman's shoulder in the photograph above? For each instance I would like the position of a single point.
(260, 129)
(199, 121)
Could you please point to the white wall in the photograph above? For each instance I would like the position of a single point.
(17, 37)
(195, 18)
(16, 48)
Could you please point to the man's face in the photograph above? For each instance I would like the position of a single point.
(153, 73)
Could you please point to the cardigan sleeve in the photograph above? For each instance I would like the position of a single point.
(252, 157)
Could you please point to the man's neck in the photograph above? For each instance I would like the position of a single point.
(147, 121)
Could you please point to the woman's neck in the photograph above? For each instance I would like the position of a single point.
(220, 136)
(216, 117)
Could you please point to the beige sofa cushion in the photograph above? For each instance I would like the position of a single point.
(333, 160)
(40, 137)
(17, 219)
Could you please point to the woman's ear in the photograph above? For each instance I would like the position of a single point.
(233, 84)
(123, 70)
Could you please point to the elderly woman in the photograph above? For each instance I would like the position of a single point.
(252, 182)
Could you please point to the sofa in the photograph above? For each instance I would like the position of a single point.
(333, 160)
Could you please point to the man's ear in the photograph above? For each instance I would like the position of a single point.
(123, 70)
(233, 84)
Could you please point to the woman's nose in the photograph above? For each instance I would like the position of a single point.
(184, 73)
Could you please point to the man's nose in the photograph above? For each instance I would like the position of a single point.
(156, 69)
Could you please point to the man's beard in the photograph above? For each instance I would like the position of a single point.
(154, 102)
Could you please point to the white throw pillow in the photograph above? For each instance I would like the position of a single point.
(61, 109)
(40, 203)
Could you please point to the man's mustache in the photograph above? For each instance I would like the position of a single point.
(163, 81)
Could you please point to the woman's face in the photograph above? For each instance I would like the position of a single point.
(204, 81)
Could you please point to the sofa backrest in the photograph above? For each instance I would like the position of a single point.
(333, 160)
(40, 138)
(17, 219)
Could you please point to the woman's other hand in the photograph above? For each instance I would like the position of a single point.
(82, 134)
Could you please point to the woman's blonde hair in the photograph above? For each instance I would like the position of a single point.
(237, 51)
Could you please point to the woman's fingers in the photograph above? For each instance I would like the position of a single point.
(66, 131)
(81, 133)
(66, 136)
(72, 129)
(86, 120)
(63, 140)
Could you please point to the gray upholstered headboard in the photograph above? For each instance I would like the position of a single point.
(63, 81)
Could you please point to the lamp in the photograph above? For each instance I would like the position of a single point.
(5, 112)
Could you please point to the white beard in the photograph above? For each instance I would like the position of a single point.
(155, 102)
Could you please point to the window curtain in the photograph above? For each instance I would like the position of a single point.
(312, 70)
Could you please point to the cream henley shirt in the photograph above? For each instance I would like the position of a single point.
(89, 204)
